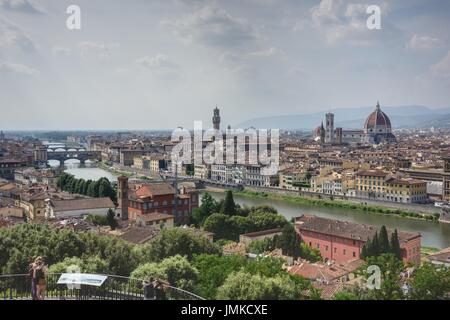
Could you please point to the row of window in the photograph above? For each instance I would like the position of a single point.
(344, 251)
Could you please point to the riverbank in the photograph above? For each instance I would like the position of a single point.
(114, 171)
(371, 209)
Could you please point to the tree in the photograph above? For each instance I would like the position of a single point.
(180, 241)
(229, 207)
(289, 242)
(222, 226)
(242, 285)
(384, 240)
(391, 269)
(395, 245)
(91, 264)
(430, 282)
(263, 245)
(205, 210)
(310, 254)
(111, 219)
(91, 189)
(213, 270)
(177, 270)
(375, 249)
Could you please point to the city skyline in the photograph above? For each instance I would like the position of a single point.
(130, 65)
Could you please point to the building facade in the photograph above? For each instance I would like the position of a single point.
(342, 241)
(377, 129)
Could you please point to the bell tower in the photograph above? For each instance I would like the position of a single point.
(216, 119)
(329, 135)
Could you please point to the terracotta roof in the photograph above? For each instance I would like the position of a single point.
(345, 229)
(82, 204)
(323, 271)
(372, 173)
(139, 235)
(155, 189)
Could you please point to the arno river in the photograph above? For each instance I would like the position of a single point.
(434, 234)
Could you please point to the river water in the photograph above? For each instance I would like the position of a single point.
(434, 234)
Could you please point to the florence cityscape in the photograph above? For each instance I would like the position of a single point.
(225, 150)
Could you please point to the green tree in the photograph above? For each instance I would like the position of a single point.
(310, 254)
(111, 219)
(430, 282)
(262, 246)
(205, 210)
(228, 207)
(289, 242)
(222, 226)
(180, 241)
(177, 270)
(384, 240)
(391, 269)
(395, 245)
(242, 285)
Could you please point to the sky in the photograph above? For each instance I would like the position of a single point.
(159, 64)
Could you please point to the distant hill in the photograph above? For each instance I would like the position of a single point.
(353, 118)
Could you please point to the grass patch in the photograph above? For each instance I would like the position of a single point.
(336, 204)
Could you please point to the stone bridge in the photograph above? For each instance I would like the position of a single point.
(82, 156)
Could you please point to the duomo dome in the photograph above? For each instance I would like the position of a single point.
(377, 122)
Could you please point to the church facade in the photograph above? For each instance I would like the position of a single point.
(377, 129)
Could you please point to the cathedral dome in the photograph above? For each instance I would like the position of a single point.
(377, 122)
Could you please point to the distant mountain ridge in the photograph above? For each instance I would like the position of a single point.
(354, 118)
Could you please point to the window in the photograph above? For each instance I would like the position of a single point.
(354, 254)
(344, 251)
(318, 246)
(335, 250)
(326, 248)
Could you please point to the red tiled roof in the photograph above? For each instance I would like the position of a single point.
(345, 229)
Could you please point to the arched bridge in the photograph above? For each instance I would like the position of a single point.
(82, 156)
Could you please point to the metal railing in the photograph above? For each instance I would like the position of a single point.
(18, 287)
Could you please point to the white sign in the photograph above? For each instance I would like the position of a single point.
(82, 278)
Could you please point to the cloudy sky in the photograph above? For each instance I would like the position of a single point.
(151, 64)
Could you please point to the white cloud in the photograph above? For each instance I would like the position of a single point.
(96, 49)
(61, 51)
(266, 53)
(17, 68)
(342, 22)
(214, 27)
(423, 42)
(11, 36)
(160, 65)
(442, 68)
(27, 6)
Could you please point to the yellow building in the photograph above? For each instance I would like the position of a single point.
(379, 185)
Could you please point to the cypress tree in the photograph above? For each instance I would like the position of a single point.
(384, 241)
(395, 245)
(363, 254)
(229, 207)
(375, 245)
